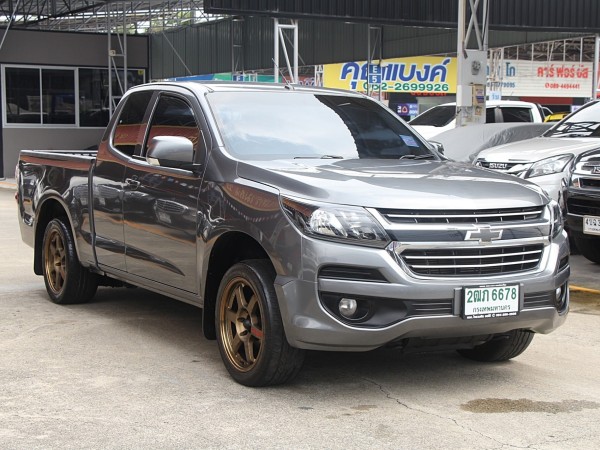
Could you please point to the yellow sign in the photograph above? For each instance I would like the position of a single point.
(433, 75)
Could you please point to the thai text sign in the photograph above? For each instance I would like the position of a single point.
(545, 79)
(423, 74)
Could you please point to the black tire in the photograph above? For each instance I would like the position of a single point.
(67, 281)
(501, 347)
(588, 247)
(250, 332)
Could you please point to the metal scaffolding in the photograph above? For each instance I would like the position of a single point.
(101, 16)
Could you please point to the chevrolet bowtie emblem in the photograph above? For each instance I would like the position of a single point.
(485, 235)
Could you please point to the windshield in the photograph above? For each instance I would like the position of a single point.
(438, 116)
(292, 124)
(583, 123)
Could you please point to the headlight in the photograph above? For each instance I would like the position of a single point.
(556, 218)
(348, 224)
(547, 166)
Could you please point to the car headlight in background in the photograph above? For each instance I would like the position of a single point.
(555, 164)
(556, 218)
(348, 224)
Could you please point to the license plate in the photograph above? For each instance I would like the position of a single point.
(163, 217)
(480, 302)
(591, 225)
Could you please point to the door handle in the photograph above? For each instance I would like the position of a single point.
(132, 183)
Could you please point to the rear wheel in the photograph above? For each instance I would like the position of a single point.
(66, 280)
(501, 347)
(250, 332)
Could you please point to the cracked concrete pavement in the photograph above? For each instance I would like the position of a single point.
(132, 370)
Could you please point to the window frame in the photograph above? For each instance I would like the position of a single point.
(40, 125)
(198, 147)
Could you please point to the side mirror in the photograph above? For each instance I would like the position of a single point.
(171, 151)
(437, 146)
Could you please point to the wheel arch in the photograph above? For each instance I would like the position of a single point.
(229, 249)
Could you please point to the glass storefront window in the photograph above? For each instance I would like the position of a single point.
(58, 96)
(22, 95)
(93, 94)
(48, 96)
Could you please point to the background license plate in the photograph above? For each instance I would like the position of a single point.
(490, 301)
(591, 225)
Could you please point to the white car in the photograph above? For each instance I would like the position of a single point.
(547, 160)
(441, 118)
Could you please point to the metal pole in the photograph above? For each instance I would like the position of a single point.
(276, 55)
(295, 23)
(596, 65)
(108, 33)
(369, 60)
(460, 57)
(124, 48)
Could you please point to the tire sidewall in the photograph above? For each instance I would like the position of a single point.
(57, 225)
(262, 284)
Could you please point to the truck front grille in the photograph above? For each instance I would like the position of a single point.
(589, 183)
(170, 206)
(471, 262)
(582, 207)
(407, 216)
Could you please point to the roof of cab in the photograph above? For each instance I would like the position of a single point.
(236, 86)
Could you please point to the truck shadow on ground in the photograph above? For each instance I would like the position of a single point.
(179, 325)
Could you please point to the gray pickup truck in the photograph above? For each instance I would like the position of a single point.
(297, 218)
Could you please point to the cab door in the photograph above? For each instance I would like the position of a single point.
(116, 149)
(160, 204)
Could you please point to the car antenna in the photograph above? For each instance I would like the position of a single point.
(288, 85)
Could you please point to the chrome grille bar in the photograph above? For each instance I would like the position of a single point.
(465, 262)
(461, 216)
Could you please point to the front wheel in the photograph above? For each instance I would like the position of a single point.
(501, 347)
(66, 280)
(250, 332)
(588, 247)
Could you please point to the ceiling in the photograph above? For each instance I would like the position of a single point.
(148, 16)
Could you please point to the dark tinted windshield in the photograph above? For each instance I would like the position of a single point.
(583, 123)
(438, 116)
(292, 124)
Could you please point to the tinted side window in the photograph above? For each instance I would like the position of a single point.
(516, 114)
(490, 115)
(131, 122)
(173, 117)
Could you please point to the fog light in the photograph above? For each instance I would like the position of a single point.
(348, 307)
(558, 294)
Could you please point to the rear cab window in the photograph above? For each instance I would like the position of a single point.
(130, 127)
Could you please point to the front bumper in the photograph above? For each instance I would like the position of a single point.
(309, 325)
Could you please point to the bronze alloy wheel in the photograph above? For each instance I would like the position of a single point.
(55, 256)
(67, 281)
(241, 323)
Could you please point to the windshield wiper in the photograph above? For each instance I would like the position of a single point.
(417, 157)
(320, 157)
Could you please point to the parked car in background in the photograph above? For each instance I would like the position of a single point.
(583, 205)
(485, 135)
(556, 117)
(441, 118)
(547, 160)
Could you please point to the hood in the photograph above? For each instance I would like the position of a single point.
(410, 184)
(538, 148)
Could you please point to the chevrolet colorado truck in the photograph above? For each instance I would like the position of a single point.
(298, 219)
